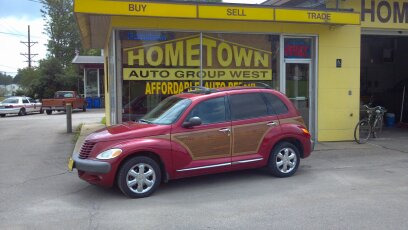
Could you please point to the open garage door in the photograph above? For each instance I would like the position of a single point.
(384, 73)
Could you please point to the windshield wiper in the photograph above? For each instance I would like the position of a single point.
(144, 121)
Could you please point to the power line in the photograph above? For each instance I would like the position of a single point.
(7, 66)
(1, 32)
(35, 1)
(9, 28)
(14, 34)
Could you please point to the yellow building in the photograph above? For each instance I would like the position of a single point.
(313, 55)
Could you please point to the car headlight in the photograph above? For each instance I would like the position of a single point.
(109, 154)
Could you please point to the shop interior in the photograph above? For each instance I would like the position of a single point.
(384, 74)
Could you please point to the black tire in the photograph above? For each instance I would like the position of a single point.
(2, 115)
(22, 112)
(48, 111)
(123, 176)
(362, 131)
(84, 108)
(281, 154)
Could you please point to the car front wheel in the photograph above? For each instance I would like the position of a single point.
(139, 177)
(284, 160)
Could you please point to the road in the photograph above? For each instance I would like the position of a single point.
(341, 186)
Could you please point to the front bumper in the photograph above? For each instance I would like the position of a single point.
(9, 111)
(91, 166)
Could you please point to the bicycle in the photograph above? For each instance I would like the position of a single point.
(371, 125)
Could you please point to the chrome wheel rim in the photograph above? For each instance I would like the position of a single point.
(141, 178)
(286, 160)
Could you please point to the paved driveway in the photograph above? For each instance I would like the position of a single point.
(342, 186)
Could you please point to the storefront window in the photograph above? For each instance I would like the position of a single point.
(155, 66)
(240, 59)
(159, 64)
(91, 82)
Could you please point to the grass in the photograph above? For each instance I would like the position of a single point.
(103, 121)
(77, 132)
(2, 98)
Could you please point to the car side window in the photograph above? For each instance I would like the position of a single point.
(25, 101)
(210, 111)
(275, 104)
(245, 106)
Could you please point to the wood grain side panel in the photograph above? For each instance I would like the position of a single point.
(206, 144)
(247, 138)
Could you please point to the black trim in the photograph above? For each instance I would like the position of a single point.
(92, 166)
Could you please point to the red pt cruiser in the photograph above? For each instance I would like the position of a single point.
(200, 132)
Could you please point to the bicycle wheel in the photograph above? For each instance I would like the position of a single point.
(362, 131)
(377, 127)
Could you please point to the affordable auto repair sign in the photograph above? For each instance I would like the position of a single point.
(179, 60)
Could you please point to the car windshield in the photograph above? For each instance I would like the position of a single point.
(167, 111)
(10, 101)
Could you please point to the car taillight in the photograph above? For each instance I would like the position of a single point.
(305, 131)
(8, 106)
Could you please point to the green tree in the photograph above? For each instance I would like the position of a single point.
(53, 77)
(5, 79)
(25, 77)
(61, 29)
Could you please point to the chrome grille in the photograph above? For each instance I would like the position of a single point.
(86, 149)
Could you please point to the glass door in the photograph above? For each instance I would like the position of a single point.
(297, 87)
(299, 76)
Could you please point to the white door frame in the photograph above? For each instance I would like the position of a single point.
(312, 62)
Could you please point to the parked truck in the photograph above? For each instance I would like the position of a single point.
(61, 99)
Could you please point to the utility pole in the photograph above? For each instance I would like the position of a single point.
(29, 44)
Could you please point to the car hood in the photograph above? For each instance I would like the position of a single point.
(128, 130)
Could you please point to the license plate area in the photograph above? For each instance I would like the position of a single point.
(70, 164)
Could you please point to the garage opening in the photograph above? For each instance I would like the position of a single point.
(384, 74)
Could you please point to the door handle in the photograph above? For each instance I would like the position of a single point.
(272, 123)
(226, 131)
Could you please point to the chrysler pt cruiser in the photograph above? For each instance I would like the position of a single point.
(199, 132)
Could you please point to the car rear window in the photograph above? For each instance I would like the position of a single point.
(275, 104)
(10, 101)
(245, 106)
(64, 95)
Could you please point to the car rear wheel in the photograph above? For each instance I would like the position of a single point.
(2, 115)
(22, 112)
(139, 177)
(48, 111)
(284, 160)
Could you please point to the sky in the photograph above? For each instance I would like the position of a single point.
(15, 16)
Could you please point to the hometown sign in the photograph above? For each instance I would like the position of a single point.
(179, 60)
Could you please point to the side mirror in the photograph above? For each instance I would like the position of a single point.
(194, 121)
